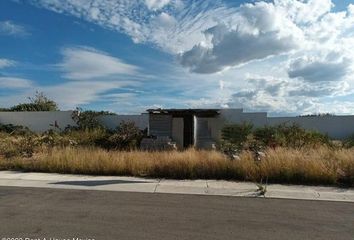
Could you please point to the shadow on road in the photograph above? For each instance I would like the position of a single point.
(97, 182)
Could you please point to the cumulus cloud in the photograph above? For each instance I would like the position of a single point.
(305, 12)
(232, 48)
(80, 63)
(284, 95)
(12, 29)
(319, 70)
(256, 31)
(4, 63)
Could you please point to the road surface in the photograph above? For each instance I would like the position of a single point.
(37, 213)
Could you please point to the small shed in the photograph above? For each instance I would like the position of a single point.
(186, 127)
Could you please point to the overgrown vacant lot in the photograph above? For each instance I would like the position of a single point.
(311, 166)
(289, 155)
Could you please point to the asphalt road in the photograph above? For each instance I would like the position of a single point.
(67, 214)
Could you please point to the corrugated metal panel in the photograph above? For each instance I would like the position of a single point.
(160, 125)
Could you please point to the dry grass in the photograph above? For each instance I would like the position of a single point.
(311, 166)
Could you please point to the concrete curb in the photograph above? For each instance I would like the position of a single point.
(199, 187)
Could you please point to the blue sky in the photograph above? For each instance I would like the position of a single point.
(287, 57)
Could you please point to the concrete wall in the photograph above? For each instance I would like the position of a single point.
(177, 131)
(234, 116)
(257, 119)
(231, 115)
(113, 121)
(337, 127)
(43, 121)
(38, 121)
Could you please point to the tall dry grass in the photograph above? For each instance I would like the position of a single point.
(306, 166)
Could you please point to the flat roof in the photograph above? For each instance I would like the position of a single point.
(189, 111)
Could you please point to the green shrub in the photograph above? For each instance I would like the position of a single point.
(290, 136)
(293, 136)
(314, 139)
(236, 134)
(87, 119)
(14, 129)
(242, 137)
(126, 137)
(87, 137)
(266, 136)
(349, 142)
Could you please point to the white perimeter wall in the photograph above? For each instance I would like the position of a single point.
(38, 121)
(43, 121)
(337, 127)
(113, 121)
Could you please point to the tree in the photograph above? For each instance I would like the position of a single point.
(88, 119)
(40, 102)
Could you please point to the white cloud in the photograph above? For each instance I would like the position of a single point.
(164, 20)
(72, 94)
(81, 63)
(139, 21)
(232, 48)
(97, 73)
(156, 4)
(285, 95)
(15, 83)
(198, 23)
(304, 12)
(4, 63)
(304, 47)
(319, 70)
(68, 95)
(12, 29)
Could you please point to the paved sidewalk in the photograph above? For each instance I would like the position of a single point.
(199, 187)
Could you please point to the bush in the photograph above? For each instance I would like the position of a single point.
(23, 146)
(126, 137)
(87, 137)
(266, 136)
(14, 129)
(349, 142)
(87, 119)
(241, 137)
(293, 136)
(54, 139)
(315, 139)
(235, 135)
